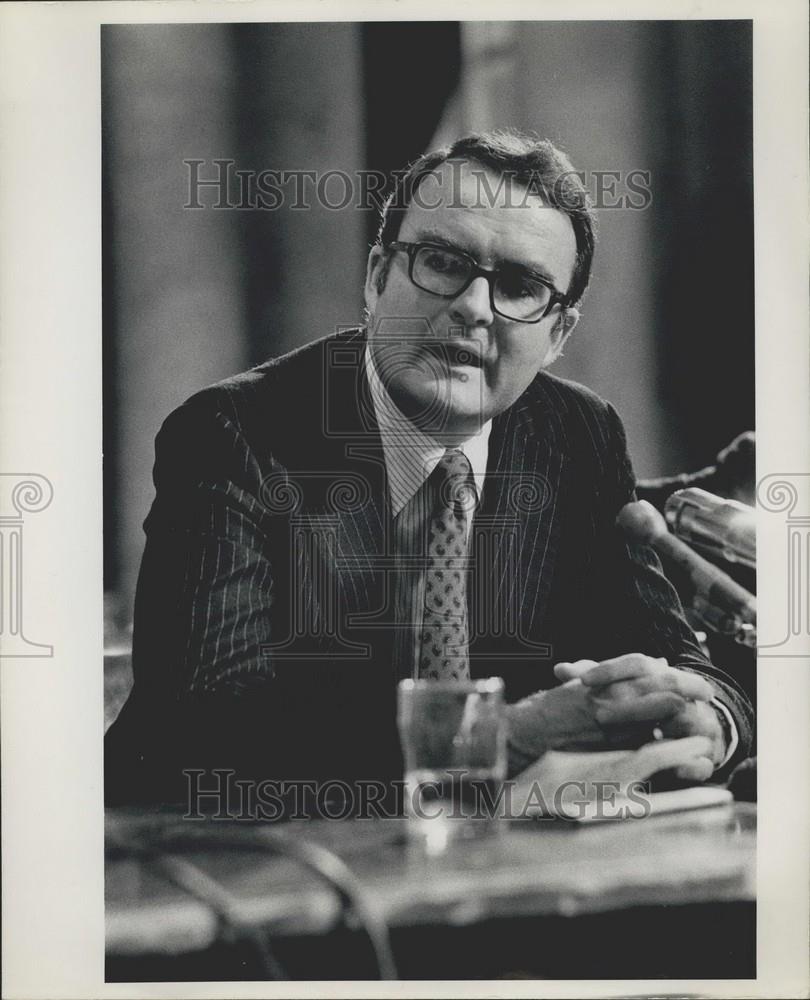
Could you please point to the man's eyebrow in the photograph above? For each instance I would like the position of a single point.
(532, 270)
(429, 236)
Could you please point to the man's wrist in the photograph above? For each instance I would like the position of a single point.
(525, 732)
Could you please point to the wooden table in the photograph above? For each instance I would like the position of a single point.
(654, 877)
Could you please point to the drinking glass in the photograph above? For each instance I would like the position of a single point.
(453, 737)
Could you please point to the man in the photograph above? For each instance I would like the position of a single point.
(419, 498)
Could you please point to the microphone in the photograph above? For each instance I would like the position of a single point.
(723, 527)
(721, 602)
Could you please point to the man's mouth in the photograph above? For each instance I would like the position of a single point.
(455, 354)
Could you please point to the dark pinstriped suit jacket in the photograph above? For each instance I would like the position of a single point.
(264, 629)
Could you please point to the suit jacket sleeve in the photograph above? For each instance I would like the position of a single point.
(642, 612)
(206, 694)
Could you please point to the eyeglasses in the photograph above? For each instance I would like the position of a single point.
(513, 292)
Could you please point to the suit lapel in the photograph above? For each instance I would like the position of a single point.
(358, 497)
(516, 531)
(363, 531)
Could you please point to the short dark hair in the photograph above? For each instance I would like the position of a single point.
(535, 163)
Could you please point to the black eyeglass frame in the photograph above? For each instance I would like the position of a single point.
(476, 271)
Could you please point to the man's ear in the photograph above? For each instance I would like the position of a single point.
(375, 276)
(562, 329)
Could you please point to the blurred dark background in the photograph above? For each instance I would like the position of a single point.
(190, 296)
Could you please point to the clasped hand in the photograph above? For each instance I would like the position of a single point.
(619, 703)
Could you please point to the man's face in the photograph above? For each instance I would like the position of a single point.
(453, 363)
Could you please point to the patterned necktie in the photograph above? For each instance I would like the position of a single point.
(444, 652)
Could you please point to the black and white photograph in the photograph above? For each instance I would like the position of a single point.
(433, 379)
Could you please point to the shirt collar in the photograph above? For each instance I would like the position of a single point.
(411, 455)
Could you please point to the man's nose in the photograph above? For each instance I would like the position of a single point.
(473, 307)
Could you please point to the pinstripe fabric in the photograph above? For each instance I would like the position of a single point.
(266, 612)
(410, 539)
